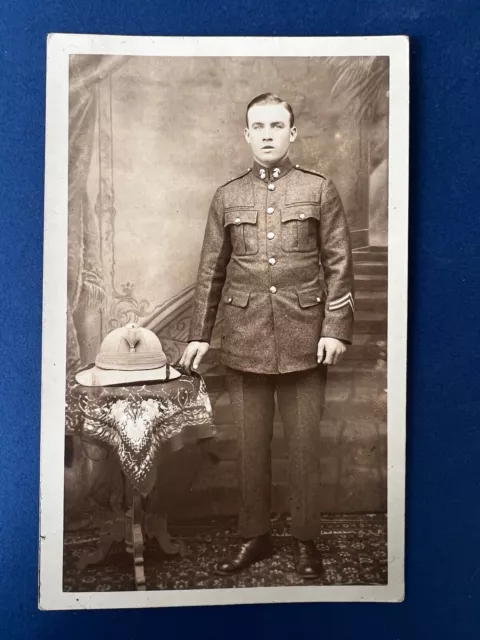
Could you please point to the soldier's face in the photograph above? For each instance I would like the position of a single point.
(269, 133)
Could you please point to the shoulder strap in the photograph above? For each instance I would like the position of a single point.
(236, 178)
(313, 173)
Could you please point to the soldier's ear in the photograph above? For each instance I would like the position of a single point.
(293, 134)
(246, 133)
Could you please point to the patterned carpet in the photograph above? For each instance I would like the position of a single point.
(354, 550)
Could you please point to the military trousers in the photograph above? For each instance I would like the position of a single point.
(301, 400)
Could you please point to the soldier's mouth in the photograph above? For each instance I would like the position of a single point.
(267, 148)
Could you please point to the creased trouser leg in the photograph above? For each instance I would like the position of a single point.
(253, 405)
(301, 401)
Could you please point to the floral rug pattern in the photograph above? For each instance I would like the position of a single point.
(353, 548)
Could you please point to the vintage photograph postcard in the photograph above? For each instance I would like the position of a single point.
(225, 321)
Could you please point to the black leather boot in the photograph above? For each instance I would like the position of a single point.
(308, 563)
(250, 551)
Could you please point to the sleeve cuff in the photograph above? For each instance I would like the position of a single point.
(340, 330)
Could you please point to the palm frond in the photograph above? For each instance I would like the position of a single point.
(358, 83)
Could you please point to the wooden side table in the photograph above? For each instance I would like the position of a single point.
(138, 422)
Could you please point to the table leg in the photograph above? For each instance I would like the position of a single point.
(133, 527)
(137, 535)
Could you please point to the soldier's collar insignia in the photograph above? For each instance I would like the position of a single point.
(269, 174)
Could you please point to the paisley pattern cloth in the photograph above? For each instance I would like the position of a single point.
(140, 420)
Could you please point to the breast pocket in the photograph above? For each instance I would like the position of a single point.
(300, 227)
(243, 230)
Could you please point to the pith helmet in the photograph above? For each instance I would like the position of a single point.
(127, 355)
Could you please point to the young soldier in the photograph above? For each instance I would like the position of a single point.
(267, 233)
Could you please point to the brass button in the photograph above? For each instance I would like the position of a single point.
(319, 299)
(230, 300)
(273, 289)
(270, 210)
(270, 235)
(302, 216)
(272, 261)
(271, 187)
(237, 220)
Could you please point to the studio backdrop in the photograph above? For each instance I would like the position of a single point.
(150, 139)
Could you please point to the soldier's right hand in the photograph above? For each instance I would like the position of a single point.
(194, 352)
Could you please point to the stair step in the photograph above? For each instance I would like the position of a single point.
(371, 304)
(379, 295)
(364, 255)
(370, 268)
(371, 283)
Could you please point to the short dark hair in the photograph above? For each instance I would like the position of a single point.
(270, 98)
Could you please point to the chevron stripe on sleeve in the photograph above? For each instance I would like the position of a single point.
(339, 303)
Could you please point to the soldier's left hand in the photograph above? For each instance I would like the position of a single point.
(330, 350)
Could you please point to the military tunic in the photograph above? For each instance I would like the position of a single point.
(267, 233)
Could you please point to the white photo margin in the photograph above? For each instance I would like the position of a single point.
(59, 48)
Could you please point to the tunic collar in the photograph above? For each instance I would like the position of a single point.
(270, 174)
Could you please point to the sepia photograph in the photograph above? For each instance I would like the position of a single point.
(225, 321)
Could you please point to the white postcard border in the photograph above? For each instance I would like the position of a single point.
(60, 46)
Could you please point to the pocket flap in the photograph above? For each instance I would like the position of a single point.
(241, 216)
(310, 298)
(300, 212)
(237, 298)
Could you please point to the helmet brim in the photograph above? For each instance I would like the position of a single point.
(96, 377)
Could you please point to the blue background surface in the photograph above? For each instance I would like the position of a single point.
(443, 485)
